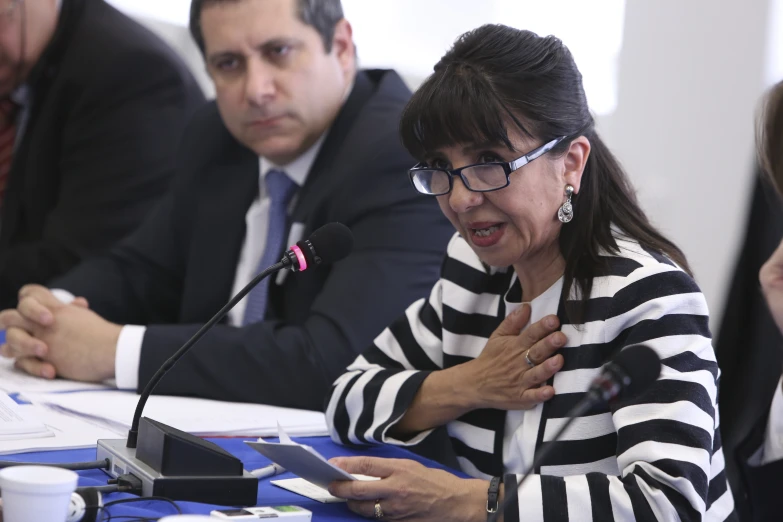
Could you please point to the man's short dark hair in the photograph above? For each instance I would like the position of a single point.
(323, 15)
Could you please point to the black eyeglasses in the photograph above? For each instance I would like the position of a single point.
(479, 177)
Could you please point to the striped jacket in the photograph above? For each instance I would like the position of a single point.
(657, 457)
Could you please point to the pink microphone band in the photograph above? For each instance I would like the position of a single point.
(300, 257)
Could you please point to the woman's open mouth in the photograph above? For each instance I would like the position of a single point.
(486, 234)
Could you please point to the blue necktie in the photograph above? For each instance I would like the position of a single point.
(280, 189)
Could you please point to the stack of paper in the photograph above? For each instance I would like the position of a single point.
(19, 424)
(16, 381)
(27, 427)
(68, 415)
(113, 410)
(66, 432)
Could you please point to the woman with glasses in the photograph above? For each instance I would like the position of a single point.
(548, 231)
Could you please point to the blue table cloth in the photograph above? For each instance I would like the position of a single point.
(268, 495)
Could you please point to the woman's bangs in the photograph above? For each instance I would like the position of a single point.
(452, 108)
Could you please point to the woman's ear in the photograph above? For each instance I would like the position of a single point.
(575, 160)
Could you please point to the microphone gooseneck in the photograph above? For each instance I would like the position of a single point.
(631, 372)
(133, 433)
(328, 244)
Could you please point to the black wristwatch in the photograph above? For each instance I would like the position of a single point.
(492, 496)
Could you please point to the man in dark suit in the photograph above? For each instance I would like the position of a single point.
(91, 106)
(297, 139)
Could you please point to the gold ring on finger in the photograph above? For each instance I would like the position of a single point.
(378, 510)
(527, 359)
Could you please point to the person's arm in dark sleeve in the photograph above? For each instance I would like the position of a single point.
(761, 461)
(116, 161)
(141, 279)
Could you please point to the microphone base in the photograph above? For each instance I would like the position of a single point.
(237, 490)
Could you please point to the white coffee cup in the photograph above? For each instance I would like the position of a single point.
(36, 493)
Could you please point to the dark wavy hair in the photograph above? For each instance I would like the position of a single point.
(497, 75)
(323, 15)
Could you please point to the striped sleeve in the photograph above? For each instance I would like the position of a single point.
(380, 385)
(666, 437)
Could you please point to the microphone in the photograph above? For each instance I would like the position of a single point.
(162, 449)
(328, 244)
(631, 372)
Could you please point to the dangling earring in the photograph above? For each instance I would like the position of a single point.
(566, 212)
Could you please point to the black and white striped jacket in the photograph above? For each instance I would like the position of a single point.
(658, 457)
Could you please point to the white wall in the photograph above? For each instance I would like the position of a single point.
(690, 75)
(411, 35)
(388, 36)
(178, 37)
(675, 84)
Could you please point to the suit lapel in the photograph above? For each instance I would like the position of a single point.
(229, 189)
(319, 173)
(223, 204)
(318, 179)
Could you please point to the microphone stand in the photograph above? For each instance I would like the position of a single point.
(133, 433)
(637, 365)
(577, 411)
(174, 464)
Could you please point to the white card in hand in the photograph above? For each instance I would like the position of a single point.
(301, 460)
(301, 487)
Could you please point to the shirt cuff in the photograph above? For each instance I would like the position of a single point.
(773, 440)
(127, 360)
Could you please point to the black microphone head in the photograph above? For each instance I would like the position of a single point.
(642, 366)
(330, 243)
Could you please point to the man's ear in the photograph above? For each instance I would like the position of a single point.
(343, 46)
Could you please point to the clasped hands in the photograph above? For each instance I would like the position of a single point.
(49, 338)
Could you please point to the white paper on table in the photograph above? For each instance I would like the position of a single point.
(68, 433)
(113, 409)
(18, 423)
(17, 381)
(303, 461)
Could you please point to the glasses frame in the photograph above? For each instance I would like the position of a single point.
(508, 168)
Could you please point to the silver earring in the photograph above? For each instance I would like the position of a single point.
(566, 212)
